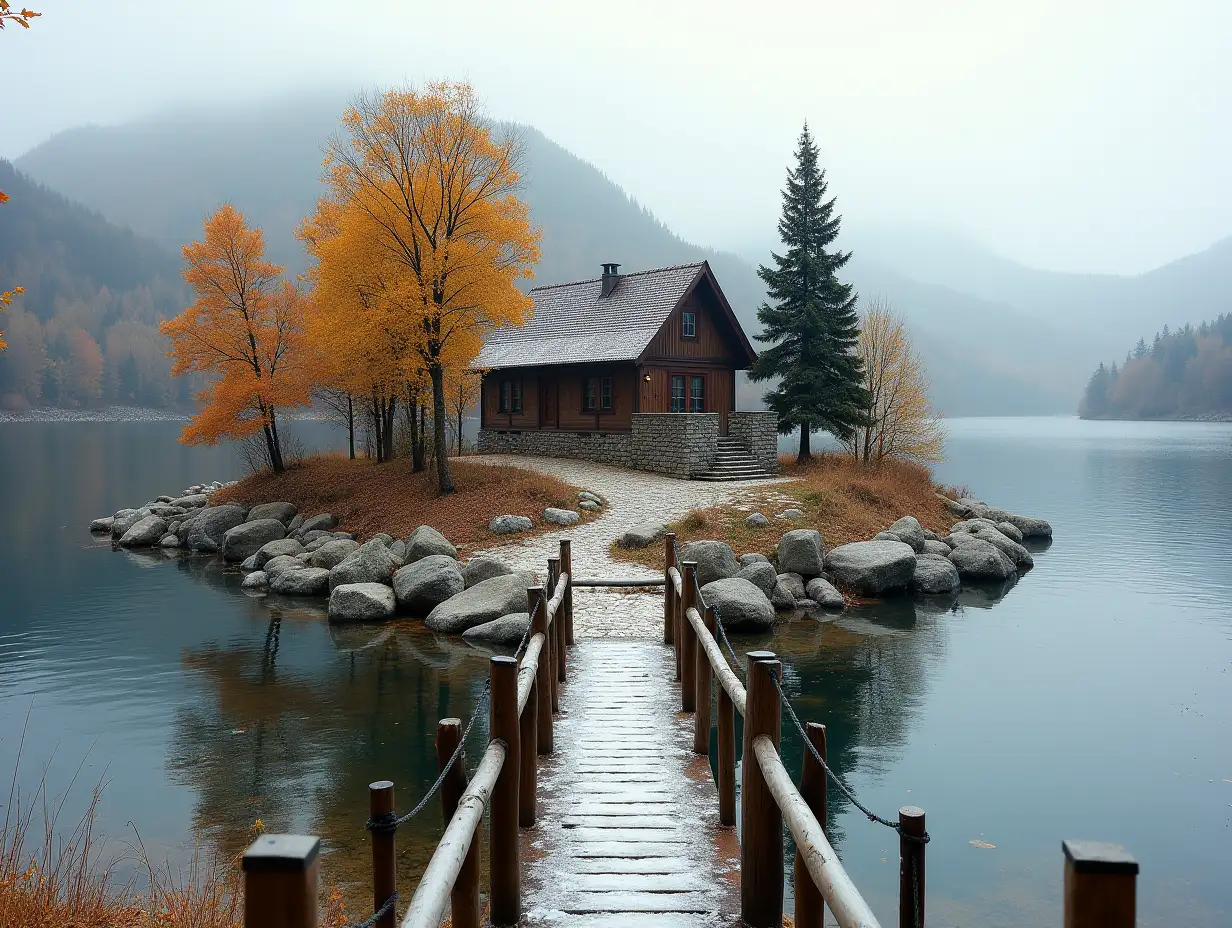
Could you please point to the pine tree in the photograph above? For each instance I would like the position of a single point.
(811, 321)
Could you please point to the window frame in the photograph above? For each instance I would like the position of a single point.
(688, 324)
(590, 394)
(509, 397)
(696, 380)
(671, 393)
(606, 394)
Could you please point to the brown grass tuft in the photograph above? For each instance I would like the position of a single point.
(368, 497)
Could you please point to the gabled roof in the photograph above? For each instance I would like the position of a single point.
(574, 324)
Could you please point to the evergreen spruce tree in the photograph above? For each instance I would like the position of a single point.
(810, 322)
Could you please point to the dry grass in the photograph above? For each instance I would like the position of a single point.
(840, 498)
(368, 497)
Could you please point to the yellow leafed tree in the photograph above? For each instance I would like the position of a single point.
(419, 177)
(902, 421)
(245, 330)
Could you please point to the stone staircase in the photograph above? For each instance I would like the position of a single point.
(733, 462)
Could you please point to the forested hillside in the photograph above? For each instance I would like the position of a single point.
(85, 331)
(1185, 374)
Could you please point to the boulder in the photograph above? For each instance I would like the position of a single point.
(715, 560)
(371, 562)
(484, 567)
(250, 537)
(485, 601)
(323, 522)
(398, 550)
(978, 560)
(174, 527)
(144, 533)
(273, 549)
(752, 558)
(276, 565)
(935, 575)
(761, 574)
(909, 531)
(421, 586)
(295, 524)
(508, 525)
(170, 540)
(126, 519)
(330, 552)
(937, 548)
(589, 505)
(347, 536)
(166, 512)
(1019, 555)
(1009, 530)
(756, 520)
(825, 594)
(315, 534)
(249, 563)
(872, 567)
(191, 501)
(283, 512)
(739, 604)
(794, 583)
(643, 535)
(386, 539)
(507, 630)
(303, 558)
(584, 495)
(1030, 528)
(781, 597)
(306, 581)
(257, 580)
(930, 535)
(426, 540)
(886, 536)
(102, 525)
(793, 514)
(560, 516)
(361, 602)
(800, 552)
(205, 529)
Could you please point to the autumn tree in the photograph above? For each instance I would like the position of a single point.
(21, 18)
(899, 420)
(464, 388)
(449, 237)
(245, 331)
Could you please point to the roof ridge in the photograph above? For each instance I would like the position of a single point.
(595, 280)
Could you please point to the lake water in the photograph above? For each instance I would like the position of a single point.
(1091, 700)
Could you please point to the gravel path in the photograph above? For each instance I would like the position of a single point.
(632, 497)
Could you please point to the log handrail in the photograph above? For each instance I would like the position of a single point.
(529, 669)
(558, 596)
(831, 879)
(718, 663)
(677, 580)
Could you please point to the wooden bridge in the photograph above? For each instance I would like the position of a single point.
(603, 811)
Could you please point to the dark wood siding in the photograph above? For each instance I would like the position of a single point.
(713, 342)
(655, 394)
(528, 418)
(561, 389)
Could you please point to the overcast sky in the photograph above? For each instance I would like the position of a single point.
(1089, 136)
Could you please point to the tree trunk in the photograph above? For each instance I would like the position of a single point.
(423, 438)
(805, 456)
(276, 444)
(459, 430)
(444, 478)
(417, 437)
(269, 445)
(390, 406)
(351, 426)
(377, 422)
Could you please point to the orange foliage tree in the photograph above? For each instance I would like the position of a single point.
(245, 330)
(22, 18)
(419, 178)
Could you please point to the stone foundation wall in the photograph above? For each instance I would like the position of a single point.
(607, 448)
(678, 444)
(759, 432)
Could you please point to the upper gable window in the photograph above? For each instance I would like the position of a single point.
(688, 325)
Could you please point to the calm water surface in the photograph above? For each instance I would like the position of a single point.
(1093, 699)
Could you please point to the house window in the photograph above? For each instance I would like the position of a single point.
(510, 396)
(697, 394)
(605, 393)
(590, 390)
(688, 325)
(677, 393)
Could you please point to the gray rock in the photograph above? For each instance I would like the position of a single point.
(909, 531)
(102, 525)
(485, 601)
(756, 520)
(886, 536)
(937, 548)
(315, 534)
(323, 522)
(800, 551)
(203, 544)
(317, 543)
(560, 516)
(398, 550)
(781, 597)
(794, 583)
(371, 562)
(126, 519)
(295, 524)
(330, 552)
(250, 537)
(257, 580)
(304, 558)
(1019, 555)
(276, 565)
(249, 563)
(872, 567)
(643, 535)
(589, 505)
(978, 560)
(825, 594)
(507, 630)
(170, 540)
(191, 501)
(508, 525)
(283, 512)
(361, 602)
(795, 515)
(484, 567)
(205, 529)
(274, 548)
(935, 575)
(174, 527)
(739, 604)
(166, 512)
(761, 575)
(144, 533)
(752, 558)
(421, 586)
(584, 495)
(345, 536)
(306, 581)
(426, 540)
(930, 535)
(715, 560)
(386, 539)
(1030, 528)
(1010, 531)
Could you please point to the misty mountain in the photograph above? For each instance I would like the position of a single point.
(161, 176)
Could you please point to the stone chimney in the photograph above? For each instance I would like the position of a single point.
(610, 278)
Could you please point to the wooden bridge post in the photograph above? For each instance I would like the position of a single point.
(810, 909)
(911, 868)
(553, 629)
(761, 821)
(701, 682)
(384, 862)
(281, 873)
(537, 606)
(528, 776)
(688, 640)
(1100, 885)
(566, 565)
(558, 629)
(505, 889)
(464, 899)
(669, 589)
(727, 759)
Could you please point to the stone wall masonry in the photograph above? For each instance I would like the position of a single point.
(677, 444)
(607, 448)
(759, 432)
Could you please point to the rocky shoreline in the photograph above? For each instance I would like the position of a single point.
(104, 414)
